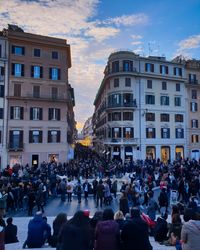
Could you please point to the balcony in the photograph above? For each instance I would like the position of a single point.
(121, 71)
(41, 97)
(124, 141)
(15, 146)
(193, 81)
(132, 104)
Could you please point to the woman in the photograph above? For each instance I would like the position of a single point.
(123, 204)
(58, 224)
(75, 234)
(107, 234)
(119, 218)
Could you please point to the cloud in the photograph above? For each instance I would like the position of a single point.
(102, 33)
(128, 20)
(136, 42)
(135, 37)
(191, 42)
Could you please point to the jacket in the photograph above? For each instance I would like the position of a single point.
(190, 235)
(107, 235)
(11, 234)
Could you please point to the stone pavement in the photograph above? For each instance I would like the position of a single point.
(22, 224)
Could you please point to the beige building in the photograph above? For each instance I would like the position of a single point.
(193, 101)
(40, 100)
(140, 108)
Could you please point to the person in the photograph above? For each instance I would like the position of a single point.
(163, 201)
(2, 222)
(100, 193)
(119, 218)
(114, 187)
(31, 201)
(38, 232)
(10, 232)
(152, 206)
(123, 203)
(58, 224)
(161, 228)
(94, 185)
(69, 190)
(62, 187)
(107, 234)
(107, 194)
(47, 232)
(134, 234)
(79, 191)
(98, 216)
(75, 234)
(190, 233)
(86, 187)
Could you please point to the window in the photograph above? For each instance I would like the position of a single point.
(16, 113)
(53, 136)
(54, 93)
(150, 132)
(35, 113)
(0, 51)
(195, 138)
(35, 136)
(127, 65)
(1, 113)
(116, 82)
(128, 133)
(178, 118)
(149, 84)
(17, 90)
(150, 117)
(36, 71)
(17, 69)
(115, 66)
(164, 100)
(193, 79)
(127, 116)
(193, 106)
(2, 73)
(36, 91)
(149, 67)
(54, 74)
(54, 54)
(177, 71)
(54, 114)
(116, 132)
(114, 100)
(194, 94)
(163, 69)
(16, 139)
(116, 116)
(150, 99)
(127, 82)
(36, 52)
(179, 133)
(178, 87)
(194, 123)
(127, 99)
(164, 85)
(164, 117)
(18, 50)
(2, 90)
(177, 101)
(165, 133)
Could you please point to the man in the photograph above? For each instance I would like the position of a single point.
(94, 184)
(86, 187)
(100, 193)
(10, 232)
(134, 234)
(38, 232)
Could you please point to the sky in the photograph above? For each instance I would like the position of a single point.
(96, 28)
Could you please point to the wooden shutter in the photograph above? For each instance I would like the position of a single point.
(22, 72)
(160, 69)
(10, 138)
(40, 114)
(58, 136)
(32, 71)
(167, 70)
(59, 74)
(21, 113)
(146, 67)
(50, 73)
(1, 90)
(13, 49)
(21, 138)
(58, 118)
(30, 136)
(23, 50)
(49, 136)
(41, 72)
(50, 113)
(40, 136)
(13, 68)
(31, 113)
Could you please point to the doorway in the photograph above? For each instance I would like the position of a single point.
(35, 160)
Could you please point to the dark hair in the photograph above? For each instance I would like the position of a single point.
(164, 216)
(108, 214)
(98, 216)
(79, 219)
(60, 219)
(9, 220)
(176, 218)
(175, 209)
(135, 212)
(189, 214)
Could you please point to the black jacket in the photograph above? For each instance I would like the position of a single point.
(10, 234)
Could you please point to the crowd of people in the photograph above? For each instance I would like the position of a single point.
(28, 188)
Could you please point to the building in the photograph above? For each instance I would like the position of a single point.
(87, 133)
(140, 108)
(40, 115)
(3, 100)
(193, 102)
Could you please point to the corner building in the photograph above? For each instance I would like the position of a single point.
(39, 98)
(140, 108)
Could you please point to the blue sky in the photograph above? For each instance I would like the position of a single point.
(95, 28)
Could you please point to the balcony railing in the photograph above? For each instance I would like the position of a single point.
(121, 70)
(193, 81)
(16, 146)
(59, 98)
(132, 104)
(121, 141)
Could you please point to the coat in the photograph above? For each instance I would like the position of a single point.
(135, 236)
(123, 206)
(11, 234)
(107, 235)
(190, 235)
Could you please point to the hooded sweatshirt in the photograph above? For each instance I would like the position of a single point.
(190, 235)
